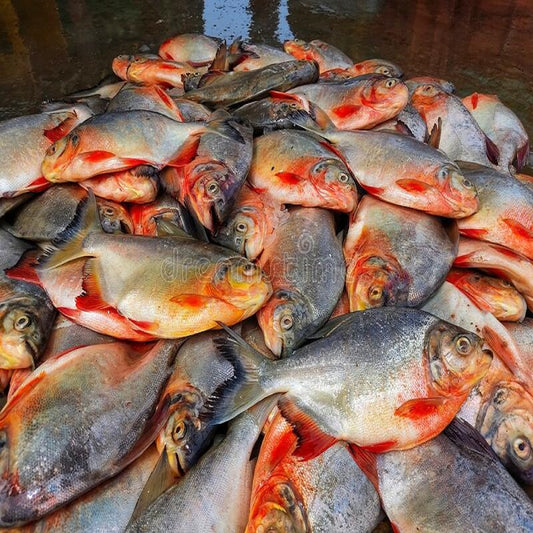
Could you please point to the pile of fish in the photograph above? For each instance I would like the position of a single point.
(253, 289)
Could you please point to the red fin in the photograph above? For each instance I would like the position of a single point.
(289, 178)
(190, 300)
(411, 185)
(395, 528)
(91, 299)
(366, 461)
(96, 156)
(474, 99)
(506, 350)
(59, 131)
(312, 441)
(518, 229)
(522, 156)
(187, 153)
(376, 191)
(344, 111)
(287, 96)
(24, 270)
(38, 185)
(463, 260)
(473, 233)
(380, 447)
(21, 391)
(493, 152)
(420, 407)
(132, 162)
(143, 325)
(455, 274)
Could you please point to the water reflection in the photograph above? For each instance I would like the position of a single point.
(49, 48)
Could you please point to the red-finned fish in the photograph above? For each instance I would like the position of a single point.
(254, 56)
(357, 103)
(490, 293)
(120, 141)
(196, 49)
(326, 55)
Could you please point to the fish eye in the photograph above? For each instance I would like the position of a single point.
(375, 293)
(179, 432)
(463, 345)
(390, 83)
(343, 177)
(521, 448)
(443, 173)
(108, 211)
(467, 183)
(248, 269)
(22, 322)
(383, 70)
(476, 277)
(286, 323)
(74, 139)
(499, 397)
(506, 284)
(241, 227)
(293, 106)
(212, 187)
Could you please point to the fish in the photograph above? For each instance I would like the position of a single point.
(450, 304)
(409, 122)
(253, 56)
(456, 470)
(500, 261)
(291, 495)
(193, 48)
(326, 55)
(9, 204)
(414, 83)
(26, 312)
(214, 495)
(357, 103)
(208, 185)
(240, 87)
(145, 97)
(502, 127)
(252, 224)
(150, 69)
(305, 265)
(377, 66)
(490, 293)
(501, 409)
(120, 141)
(46, 216)
(184, 285)
(23, 144)
(384, 379)
(100, 426)
(461, 137)
(297, 168)
(137, 185)
(107, 507)
(412, 174)
(505, 215)
(386, 251)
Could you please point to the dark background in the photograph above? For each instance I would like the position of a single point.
(49, 48)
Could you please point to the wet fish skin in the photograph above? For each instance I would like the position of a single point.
(338, 380)
(490, 293)
(326, 55)
(118, 141)
(102, 426)
(193, 48)
(254, 56)
(463, 461)
(414, 83)
(307, 275)
(251, 226)
(386, 251)
(215, 493)
(240, 87)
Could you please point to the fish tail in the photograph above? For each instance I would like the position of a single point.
(68, 245)
(244, 389)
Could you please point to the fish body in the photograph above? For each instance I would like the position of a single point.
(305, 265)
(294, 167)
(386, 251)
(357, 103)
(326, 55)
(254, 56)
(193, 48)
(502, 127)
(118, 141)
(74, 423)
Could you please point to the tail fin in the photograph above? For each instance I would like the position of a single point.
(243, 389)
(68, 246)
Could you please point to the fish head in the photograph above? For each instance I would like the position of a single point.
(458, 192)
(278, 507)
(428, 96)
(300, 49)
(24, 328)
(213, 191)
(120, 65)
(382, 66)
(506, 422)
(283, 320)
(59, 155)
(335, 182)
(457, 359)
(240, 283)
(243, 232)
(388, 93)
(376, 282)
(114, 217)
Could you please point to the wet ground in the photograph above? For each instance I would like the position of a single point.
(49, 48)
